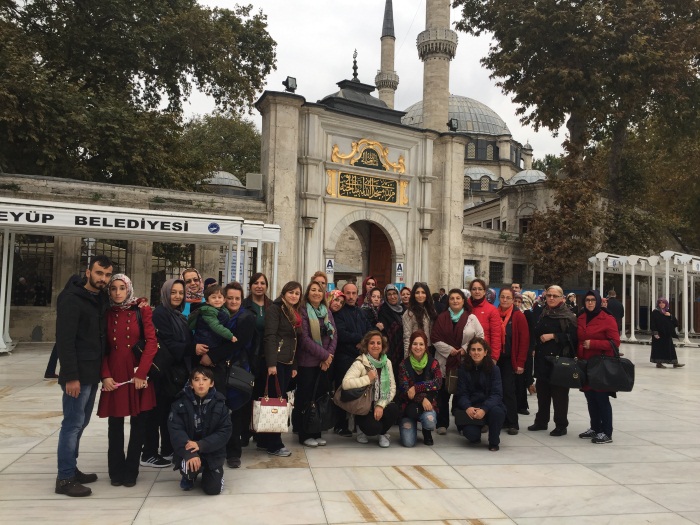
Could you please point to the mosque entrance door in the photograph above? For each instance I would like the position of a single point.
(364, 249)
(379, 254)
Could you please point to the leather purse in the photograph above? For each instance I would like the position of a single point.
(359, 406)
(271, 414)
(319, 414)
(567, 372)
(238, 378)
(610, 374)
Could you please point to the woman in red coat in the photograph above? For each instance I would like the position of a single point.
(515, 341)
(596, 329)
(125, 389)
(487, 314)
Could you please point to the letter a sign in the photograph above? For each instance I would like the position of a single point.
(330, 266)
(399, 272)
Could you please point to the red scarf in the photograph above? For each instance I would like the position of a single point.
(505, 318)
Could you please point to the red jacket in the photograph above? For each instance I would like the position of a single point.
(601, 329)
(520, 334)
(490, 320)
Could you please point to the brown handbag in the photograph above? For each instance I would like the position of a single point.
(359, 406)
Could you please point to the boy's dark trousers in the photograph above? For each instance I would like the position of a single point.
(212, 479)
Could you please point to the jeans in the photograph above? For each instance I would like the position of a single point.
(76, 416)
(600, 411)
(408, 428)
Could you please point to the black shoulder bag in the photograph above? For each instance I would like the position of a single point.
(567, 372)
(610, 374)
(163, 359)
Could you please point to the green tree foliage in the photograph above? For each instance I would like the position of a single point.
(602, 67)
(93, 89)
(549, 165)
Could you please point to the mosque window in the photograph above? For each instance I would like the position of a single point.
(33, 270)
(467, 183)
(485, 184)
(115, 249)
(524, 226)
(471, 150)
(489, 152)
(496, 272)
(168, 261)
(519, 271)
(476, 185)
(488, 225)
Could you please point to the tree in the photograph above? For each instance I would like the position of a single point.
(550, 165)
(94, 88)
(600, 66)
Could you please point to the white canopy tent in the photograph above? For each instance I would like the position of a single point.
(55, 218)
(679, 268)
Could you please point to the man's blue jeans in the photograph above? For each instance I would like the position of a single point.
(76, 416)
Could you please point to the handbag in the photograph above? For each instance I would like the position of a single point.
(319, 414)
(240, 379)
(567, 372)
(163, 358)
(271, 414)
(451, 379)
(611, 374)
(359, 406)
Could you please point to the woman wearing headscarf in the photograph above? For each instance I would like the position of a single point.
(524, 383)
(370, 309)
(124, 378)
(420, 314)
(663, 329)
(555, 334)
(194, 290)
(369, 284)
(174, 335)
(390, 315)
(596, 330)
(487, 314)
(452, 331)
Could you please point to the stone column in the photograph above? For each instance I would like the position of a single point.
(138, 261)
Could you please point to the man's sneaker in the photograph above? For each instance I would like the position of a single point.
(361, 438)
(321, 442)
(384, 441)
(50, 377)
(601, 438)
(283, 452)
(588, 434)
(186, 483)
(83, 478)
(70, 487)
(343, 432)
(154, 461)
(311, 442)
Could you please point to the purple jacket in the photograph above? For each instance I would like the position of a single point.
(310, 353)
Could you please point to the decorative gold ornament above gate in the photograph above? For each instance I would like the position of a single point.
(369, 154)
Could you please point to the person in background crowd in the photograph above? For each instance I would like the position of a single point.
(491, 296)
(616, 309)
(370, 309)
(597, 329)
(405, 297)
(420, 315)
(335, 300)
(439, 306)
(663, 330)
(571, 303)
(209, 281)
(125, 390)
(282, 325)
(80, 340)
(525, 383)
(419, 382)
(315, 357)
(352, 327)
(391, 318)
(372, 368)
(516, 288)
(321, 279)
(20, 294)
(194, 290)
(488, 317)
(480, 395)
(515, 342)
(555, 334)
(369, 284)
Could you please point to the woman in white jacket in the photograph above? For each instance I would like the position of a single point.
(372, 368)
(452, 331)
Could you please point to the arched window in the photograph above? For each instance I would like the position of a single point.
(489, 152)
(467, 183)
(471, 150)
(485, 183)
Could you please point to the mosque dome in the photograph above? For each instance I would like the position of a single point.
(224, 178)
(476, 172)
(472, 116)
(527, 177)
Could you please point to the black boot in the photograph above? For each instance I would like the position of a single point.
(428, 438)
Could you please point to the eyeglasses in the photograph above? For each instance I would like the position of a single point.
(477, 289)
(552, 296)
(195, 280)
(591, 300)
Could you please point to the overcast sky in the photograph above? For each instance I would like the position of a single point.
(316, 39)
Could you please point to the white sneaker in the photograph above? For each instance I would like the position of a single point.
(311, 442)
(321, 442)
(384, 441)
(361, 438)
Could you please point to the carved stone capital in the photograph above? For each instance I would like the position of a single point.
(386, 79)
(438, 43)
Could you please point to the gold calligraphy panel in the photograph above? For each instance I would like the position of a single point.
(368, 154)
(368, 188)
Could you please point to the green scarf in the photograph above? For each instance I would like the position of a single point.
(418, 366)
(315, 316)
(455, 316)
(385, 380)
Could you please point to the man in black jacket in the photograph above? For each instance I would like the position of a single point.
(352, 326)
(80, 340)
(616, 308)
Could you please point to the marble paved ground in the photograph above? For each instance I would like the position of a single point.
(650, 474)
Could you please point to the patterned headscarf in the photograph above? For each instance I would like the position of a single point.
(491, 295)
(130, 297)
(190, 296)
(528, 300)
(658, 301)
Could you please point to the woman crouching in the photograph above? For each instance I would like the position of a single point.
(373, 368)
(480, 395)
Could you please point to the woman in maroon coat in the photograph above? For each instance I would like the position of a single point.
(596, 330)
(125, 389)
(515, 341)
(487, 314)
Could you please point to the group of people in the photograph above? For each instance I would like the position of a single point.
(411, 354)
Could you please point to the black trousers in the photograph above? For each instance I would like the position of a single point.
(600, 411)
(125, 468)
(522, 382)
(443, 415)
(558, 396)
(341, 365)
(494, 419)
(240, 430)
(273, 440)
(157, 425)
(306, 380)
(371, 427)
(509, 400)
(212, 478)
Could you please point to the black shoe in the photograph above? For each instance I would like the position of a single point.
(558, 432)
(83, 478)
(70, 487)
(233, 462)
(343, 432)
(155, 461)
(428, 438)
(129, 484)
(116, 483)
(524, 412)
(534, 427)
(512, 431)
(588, 434)
(494, 448)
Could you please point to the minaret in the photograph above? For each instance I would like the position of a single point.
(437, 45)
(387, 80)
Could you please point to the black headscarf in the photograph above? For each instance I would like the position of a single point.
(598, 305)
(178, 320)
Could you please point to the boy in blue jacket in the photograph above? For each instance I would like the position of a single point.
(200, 427)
